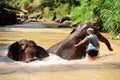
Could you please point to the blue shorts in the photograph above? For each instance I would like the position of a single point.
(92, 53)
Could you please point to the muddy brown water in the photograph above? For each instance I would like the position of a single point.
(106, 67)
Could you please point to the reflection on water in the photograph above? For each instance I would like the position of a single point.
(33, 25)
(106, 67)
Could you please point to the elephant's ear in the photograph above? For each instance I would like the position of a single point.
(14, 48)
(32, 43)
(13, 51)
(41, 52)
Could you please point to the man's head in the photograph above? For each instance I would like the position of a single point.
(90, 30)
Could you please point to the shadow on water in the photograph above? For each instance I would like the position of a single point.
(33, 25)
(5, 59)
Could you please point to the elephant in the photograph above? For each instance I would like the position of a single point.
(66, 49)
(26, 50)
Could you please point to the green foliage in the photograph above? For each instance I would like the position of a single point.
(84, 12)
(106, 11)
(49, 3)
(2, 2)
(36, 3)
(110, 15)
(62, 10)
(81, 14)
(19, 3)
(46, 12)
(23, 3)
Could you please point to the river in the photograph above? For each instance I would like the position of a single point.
(106, 67)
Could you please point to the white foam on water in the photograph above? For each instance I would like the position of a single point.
(51, 60)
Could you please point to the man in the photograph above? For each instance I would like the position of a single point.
(93, 45)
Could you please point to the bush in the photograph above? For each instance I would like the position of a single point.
(110, 16)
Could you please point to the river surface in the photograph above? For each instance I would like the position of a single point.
(106, 67)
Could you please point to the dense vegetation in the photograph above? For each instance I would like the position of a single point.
(106, 13)
(7, 14)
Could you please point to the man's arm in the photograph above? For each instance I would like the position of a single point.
(83, 41)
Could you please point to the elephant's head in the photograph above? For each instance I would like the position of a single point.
(26, 50)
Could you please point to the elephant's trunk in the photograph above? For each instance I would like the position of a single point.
(103, 39)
